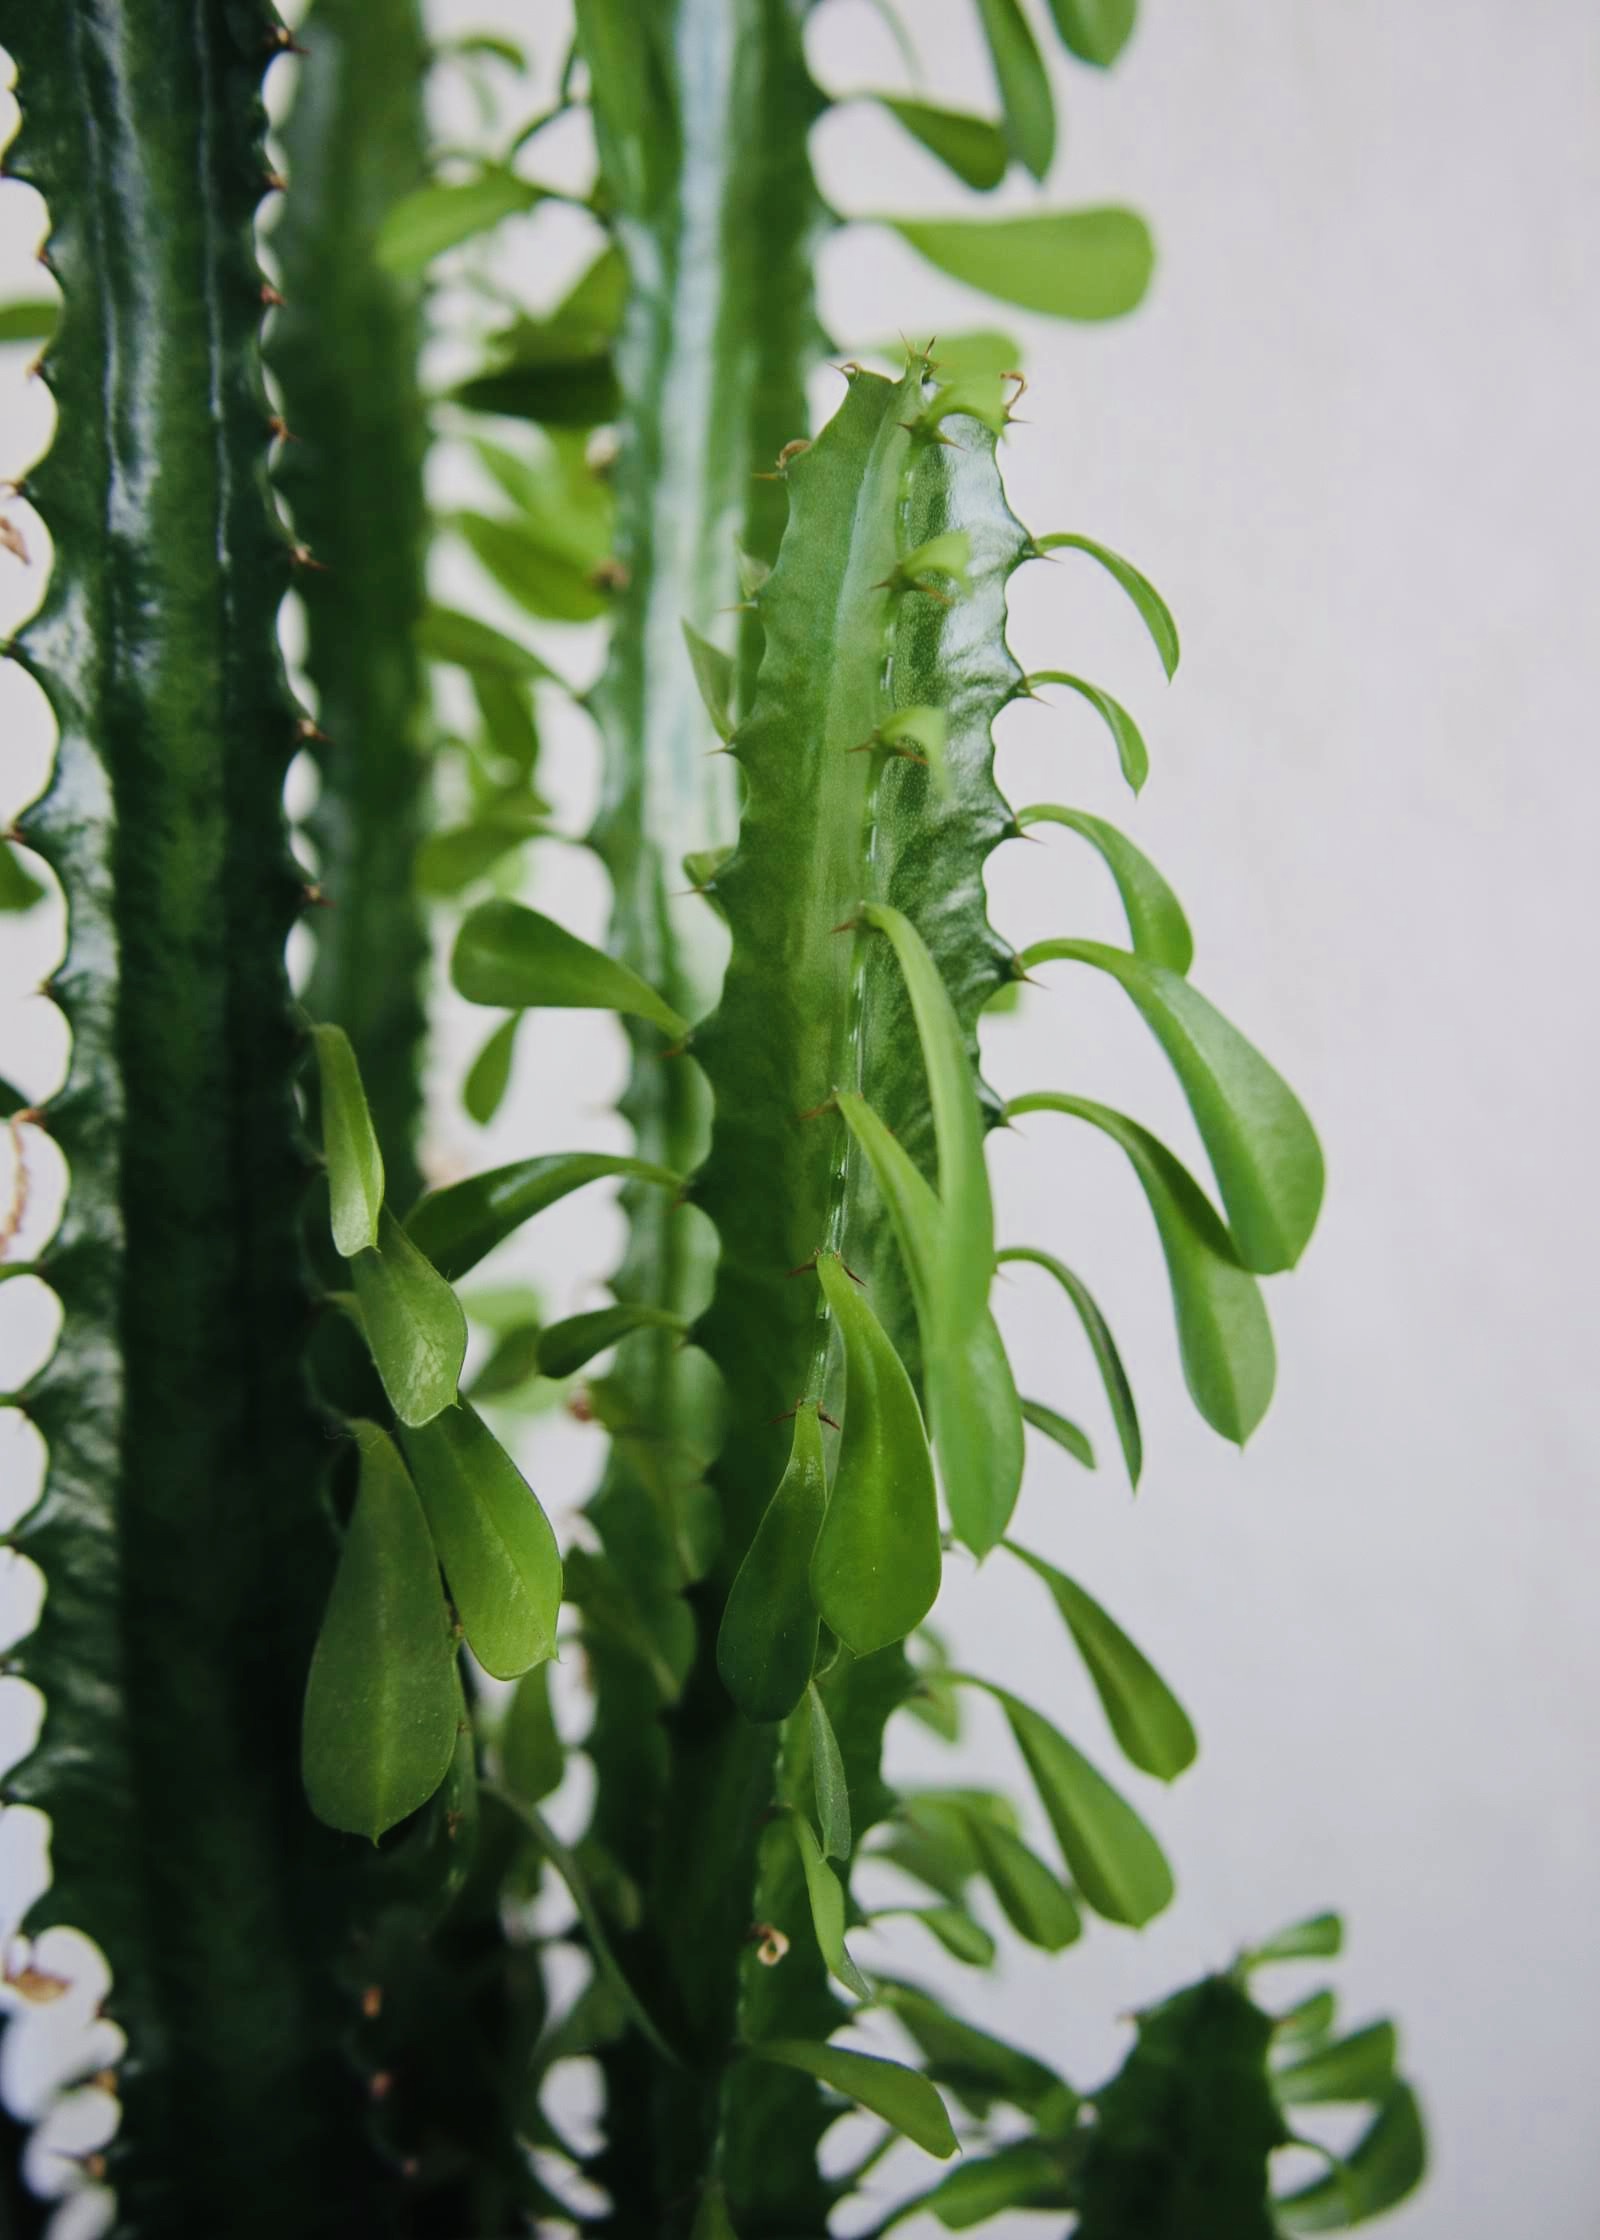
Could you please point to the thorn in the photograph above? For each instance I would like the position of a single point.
(410, 2168)
(579, 1405)
(787, 1416)
(372, 2001)
(1021, 381)
(806, 1268)
(610, 575)
(850, 1272)
(280, 429)
(316, 898)
(104, 2080)
(380, 2084)
(832, 1423)
(274, 182)
(13, 541)
(452, 1823)
(678, 1050)
(270, 296)
(817, 1110)
(305, 729)
(302, 556)
(846, 925)
(283, 41)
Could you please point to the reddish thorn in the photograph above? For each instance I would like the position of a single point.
(850, 1272)
(275, 182)
(372, 2001)
(380, 2084)
(306, 729)
(314, 897)
(283, 41)
(832, 1424)
(270, 296)
(280, 428)
(302, 556)
(610, 574)
(787, 1416)
(848, 925)
(806, 1267)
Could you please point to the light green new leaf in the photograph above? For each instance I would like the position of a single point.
(1388, 2162)
(1023, 2175)
(415, 1329)
(532, 1760)
(463, 642)
(382, 1700)
(1224, 1337)
(971, 147)
(1107, 1359)
(902, 2097)
(876, 1566)
(1308, 2020)
(517, 959)
(1154, 612)
(1146, 1717)
(1070, 264)
(713, 673)
(1319, 1937)
(767, 1643)
(349, 1144)
(928, 731)
(564, 1347)
(545, 581)
(1062, 1429)
(421, 226)
(826, 1895)
(1095, 30)
(494, 1540)
(1157, 926)
(828, 1778)
(458, 1225)
(489, 1075)
(33, 320)
(1132, 754)
(1036, 1902)
(1024, 84)
(1360, 2067)
(1262, 1147)
(460, 855)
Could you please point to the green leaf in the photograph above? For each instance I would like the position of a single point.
(1223, 1334)
(1071, 264)
(1319, 1937)
(1119, 1392)
(963, 1938)
(510, 734)
(350, 1146)
(513, 1363)
(19, 889)
(828, 1776)
(711, 2219)
(1146, 1717)
(1038, 1905)
(382, 1700)
(1157, 926)
(1360, 2067)
(489, 1075)
(515, 958)
(421, 226)
(465, 643)
(564, 1347)
(1113, 1859)
(933, 1842)
(713, 673)
(876, 1567)
(978, 2068)
(1154, 612)
(971, 147)
(1023, 2175)
(1062, 1429)
(1263, 1149)
(547, 583)
(414, 1326)
(901, 2096)
(1132, 753)
(1388, 2162)
(32, 320)
(947, 554)
(1024, 84)
(458, 1225)
(462, 854)
(494, 1540)
(927, 729)
(532, 1760)
(1309, 2019)
(767, 1643)
(826, 1895)
(1095, 30)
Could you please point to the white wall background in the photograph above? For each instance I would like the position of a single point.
(1351, 438)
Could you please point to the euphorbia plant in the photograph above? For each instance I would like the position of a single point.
(292, 1797)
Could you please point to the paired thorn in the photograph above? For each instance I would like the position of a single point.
(302, 556)
(274, 182)
(282, 40)
(270, 296)
(305, 730)
(279, 429)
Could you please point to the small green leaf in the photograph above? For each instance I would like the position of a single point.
(876, 1567)
(462, 854)
(901, 2096)
(711, 2219)
(421, 226)
(1071, 264)
(1308, 2020)
(713, 673)
(753, 573)
(1154, 612)
(511, 735)
(828, 1777)
(1319, 1937)
(947, 554)
(1119, 1392)
(1022, 2175)
(1146, 1717)
(1360, 2067)
(826, 1894)
(32, 320)
(414, 1326)
(1024, 84)
(1263, 1149)
(458, 1225)
(767, 1643)
(350, 1146)
(978, 2068)
(494, 1540)
(489, 1075)
(558, 370)
(963, 1938)
(19, 889)
(1062, 1429)
(1132, 754)
(548, 583)
(971, 147)
(515, 958)
(984, 350)
(933, 1842)
(532, 1760)
(465, 643)
(382, 1700)
(979, 396)
(1095, 30)
(564, 1347)
(513, 1363)
(1388, 2162)
(928, 731)
(1157, 926)
(1224, 1336)
(1036, 1902)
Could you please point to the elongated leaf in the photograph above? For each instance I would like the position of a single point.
(1072, 264)
(1157, 926)
(19, 889)
(971, 147)
(901, 2096)
(350, 1145)
(516, 959)
(461, 854)
(458, 1225)
(1114, 1860)
(494, 1540)
(963, 1938)
(546, 582)
(1360, 2067)
(489, 1075)
(876, 1567)
(532, 1760)
(1095, 30)
(1023, 2175)
(711, 2219)
(558, 370)
(423, 225)
(713, 673)
(978, 2068)
(1062, 1429)
(1024, 84)
(1223, 1334)
(1263, 1149)
(947, 554)
(1035, 1901)
(826, 1895)
(31, 320)
(1153, 609)
(828, 1776)
(1319, 1937)
(564, 1347)
(1119, 1392)
(1146, 1717)
(1309, 2019)
(1132, 754)
(513, 1363)
(382, 1699)
(767, 1643)
(415, 1329)
(1388, 2162)
(465, 643)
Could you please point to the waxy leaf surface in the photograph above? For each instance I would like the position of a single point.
(971, 147)
(1146, 1717)
(901, 2096)
(828, 1778)
(1069, 1436)
(826, 1895)
(516, 959)
(1035, 1901)
(1157, 926)
(1119, 1392)
(494, 1540)
(767, 1643)
(458, 1225)
(564, 1347)
(415, 1329)
(1072, 264)
(350, 1145)
(1388, 2161)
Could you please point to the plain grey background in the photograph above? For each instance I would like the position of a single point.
(1350, 437)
